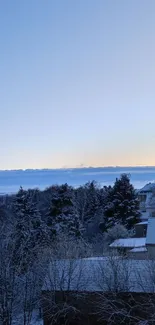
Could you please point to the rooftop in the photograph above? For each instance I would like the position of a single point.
(104, 274)
(129, 242)
(142, 223)
(147, 188)
(138, 249)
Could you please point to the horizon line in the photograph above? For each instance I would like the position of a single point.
(77, 167)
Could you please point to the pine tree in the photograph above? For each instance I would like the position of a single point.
(90, 201)
(93, 201)
(62, 217)
(124, 205)
(30, 231)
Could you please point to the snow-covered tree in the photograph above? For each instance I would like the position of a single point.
(62, 217)
(124, 205)
(88, 202)
(93, 202)
(30, 232)
(8, 279)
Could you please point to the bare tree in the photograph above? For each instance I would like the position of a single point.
(8, 279)
(30, 292)
(64, 276)
(126, 291)
(19, 292)
(67, 248)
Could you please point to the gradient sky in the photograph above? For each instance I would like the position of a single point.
(77, 83)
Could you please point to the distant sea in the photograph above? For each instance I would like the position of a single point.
(10, 181)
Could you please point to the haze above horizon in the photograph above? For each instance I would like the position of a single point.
(77, 83)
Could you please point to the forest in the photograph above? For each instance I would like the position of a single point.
(63, 222)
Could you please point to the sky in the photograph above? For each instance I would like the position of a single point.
(77, 83)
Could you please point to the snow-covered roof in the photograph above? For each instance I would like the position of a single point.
(148, 188)
(150, 236)
(145, 215)
(138, 249)
(103, 274)
(129, 242)
(142, 223)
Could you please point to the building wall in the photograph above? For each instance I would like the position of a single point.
(142, 199)
(83, 312)
(151, 251)
(140, 230)
(90, 312)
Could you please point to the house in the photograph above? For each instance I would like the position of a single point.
(142, 244)
(150, 238)
(133, 247)
(77, 287)
(144, 195)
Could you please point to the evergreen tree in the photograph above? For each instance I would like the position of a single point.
(93, 201)
(90, 201)
(124, 205)
(62, 217)
(30, 231)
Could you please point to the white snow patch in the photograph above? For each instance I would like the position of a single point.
(99, 258)
(138, 249)
(142, 223)
(129, 242)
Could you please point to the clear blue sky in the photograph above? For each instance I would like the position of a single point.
(77, 83)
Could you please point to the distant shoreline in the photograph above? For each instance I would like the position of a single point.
(76, 168)
(11, 180)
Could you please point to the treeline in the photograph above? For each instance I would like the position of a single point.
(85, 211)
